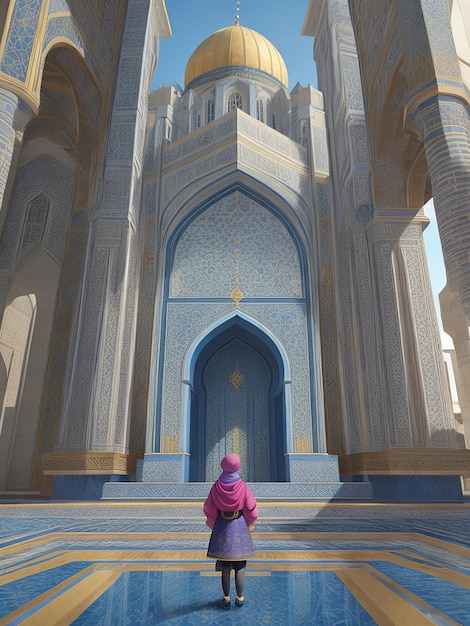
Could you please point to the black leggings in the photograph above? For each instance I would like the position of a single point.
(240, 568)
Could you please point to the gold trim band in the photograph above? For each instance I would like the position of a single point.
(87, 463)
(430, 461)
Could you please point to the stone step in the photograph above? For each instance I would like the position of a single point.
(287, 492)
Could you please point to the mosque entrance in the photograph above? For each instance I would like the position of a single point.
(237, 405)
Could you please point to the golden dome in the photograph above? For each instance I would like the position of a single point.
(236, 46)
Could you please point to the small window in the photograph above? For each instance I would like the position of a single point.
(35, 222)
(198, 121)
(303, 126)
(210, 110)
(235, 101)
(260, 110)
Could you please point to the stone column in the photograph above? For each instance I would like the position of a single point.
(365, 426)
(455, 324)
(419, 409)
(352, 402)
(438, 102)
(445, 124)
(14, 115)
(18, 63)
(96, 419)
(462, 352)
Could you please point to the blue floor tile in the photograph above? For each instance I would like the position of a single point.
(315, 570)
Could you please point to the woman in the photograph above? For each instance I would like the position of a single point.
(231, 511)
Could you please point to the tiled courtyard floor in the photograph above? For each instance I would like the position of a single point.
(144, 563)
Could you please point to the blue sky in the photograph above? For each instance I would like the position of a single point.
(281, 22)
(435, 261)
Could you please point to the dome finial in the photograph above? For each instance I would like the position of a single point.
(237, 16)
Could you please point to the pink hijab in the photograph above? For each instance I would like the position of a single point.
(230, 493)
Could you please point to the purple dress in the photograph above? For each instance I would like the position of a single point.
(230, 540)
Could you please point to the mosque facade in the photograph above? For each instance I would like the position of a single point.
(232, 265)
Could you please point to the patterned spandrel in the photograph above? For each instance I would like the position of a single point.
(236, 243)
(20, 39)
(63, 26)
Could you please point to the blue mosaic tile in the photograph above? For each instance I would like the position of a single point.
(189, 598)
(15, 594)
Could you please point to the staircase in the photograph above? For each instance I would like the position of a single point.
(324, 485)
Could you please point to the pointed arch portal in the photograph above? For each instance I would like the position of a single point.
(237, 401)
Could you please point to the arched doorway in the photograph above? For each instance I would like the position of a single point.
(238, 405)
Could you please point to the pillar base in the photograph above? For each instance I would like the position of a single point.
(158, 467)
(313, 467)
(415, 488)
(82, 487)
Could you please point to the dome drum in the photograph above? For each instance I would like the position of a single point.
(241, 71)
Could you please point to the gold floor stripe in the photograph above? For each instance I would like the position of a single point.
(444, 573)
(62, 558)
(421, 558)
(433, 541)
(64, 609)
(413, 598)
(40, 560)
(296, 557)
(384, 606)
(44, 597)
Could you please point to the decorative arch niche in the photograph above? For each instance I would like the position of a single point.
(241, 242)
(236, 398)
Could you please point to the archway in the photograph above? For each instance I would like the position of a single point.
(238, 403)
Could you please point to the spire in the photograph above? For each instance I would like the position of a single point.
(237, 16)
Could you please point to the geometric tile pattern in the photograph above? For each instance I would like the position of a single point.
(321, 490)
(20, 39)
(354, 564)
